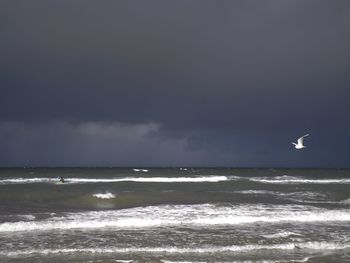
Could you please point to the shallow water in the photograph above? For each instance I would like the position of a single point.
(174, 215)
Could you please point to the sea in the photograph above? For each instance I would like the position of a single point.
(177, 214)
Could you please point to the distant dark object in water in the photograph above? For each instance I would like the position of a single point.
(61, 179)
(297, 247)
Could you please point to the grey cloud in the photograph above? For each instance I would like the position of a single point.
(118, 144)
(100, 144)
(148, 144)
(59, 143)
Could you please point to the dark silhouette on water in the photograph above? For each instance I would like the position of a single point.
(61, 179)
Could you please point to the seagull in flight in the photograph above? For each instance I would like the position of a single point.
(300, 145)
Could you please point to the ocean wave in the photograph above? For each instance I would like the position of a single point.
(285, 179)
(198, 216)
(141, 170)
(257, 192)
(245, 261)
(28, 180)
(345, 202)
(27, 217)
(323, 246)
(106, 195)
(193, 179)
(123, 179)
(153, 179)
(299, 196)
(281, 234)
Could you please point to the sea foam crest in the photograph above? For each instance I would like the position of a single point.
(20, 180)
(257, 192)
(285, 179)
(205, 216)
(106, 195)
(345, 202)
(27, 217)
(281, 234)
(198, 179)
(152, 179)
(140, 170)
(181, 250)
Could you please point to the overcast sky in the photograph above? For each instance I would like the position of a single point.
(174, 83)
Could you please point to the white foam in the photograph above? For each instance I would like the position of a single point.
(305, 194)
(106, 195)
(28, 180)
(298, 180)
(345, 202)
(301, 260)
(240, 261)
(181, 250)
(140, 170)
(206, 178)
(301, 197)
(123, 179)
(256, 192)
(27, 217)
(281, 234)
(200, 216)
(153, 179)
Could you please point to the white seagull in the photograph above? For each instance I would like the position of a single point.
(300, 145)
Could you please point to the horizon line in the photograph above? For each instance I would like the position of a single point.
(167, 167)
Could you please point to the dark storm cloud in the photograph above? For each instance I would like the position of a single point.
(95, 144)
(212, 73)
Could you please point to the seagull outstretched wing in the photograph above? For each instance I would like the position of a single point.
(301, 139)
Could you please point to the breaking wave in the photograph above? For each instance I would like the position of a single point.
(345, 202)
(257, 192)
(281, 234)
(106, 195)
(285, 179)
(193, 179)
(180, 250)
(28, 180)
(112, 180)
(140, 170)
(200, 216)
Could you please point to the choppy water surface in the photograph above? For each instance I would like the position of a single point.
(174, 215)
